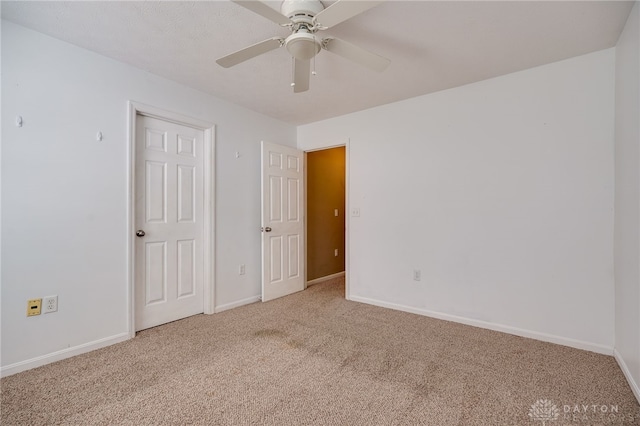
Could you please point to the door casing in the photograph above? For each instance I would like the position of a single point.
(208, 237)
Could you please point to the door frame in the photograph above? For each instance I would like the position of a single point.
(343, 143)
(208, 237)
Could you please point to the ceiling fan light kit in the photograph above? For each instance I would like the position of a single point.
(302, 45)
(304, 18)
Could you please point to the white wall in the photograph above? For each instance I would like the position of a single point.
(64, 208)
(500, 192)
(627, 201)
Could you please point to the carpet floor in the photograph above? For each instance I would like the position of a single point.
(314, 358)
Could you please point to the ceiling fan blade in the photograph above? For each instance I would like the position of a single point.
(250, 52)
(341, 11)
(355, 54)
(301, 70)
(264, 10)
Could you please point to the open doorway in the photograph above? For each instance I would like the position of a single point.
(325, 214)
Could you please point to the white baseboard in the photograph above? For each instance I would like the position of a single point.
(62, 354)
(326, 278)
(578, 344)
(635, 387)
(91, 346)
(237, 304)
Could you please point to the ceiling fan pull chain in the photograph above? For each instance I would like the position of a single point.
(293, 71)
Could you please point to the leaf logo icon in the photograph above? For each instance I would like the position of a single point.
(544, 410)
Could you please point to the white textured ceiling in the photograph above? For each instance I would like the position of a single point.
(433, 46)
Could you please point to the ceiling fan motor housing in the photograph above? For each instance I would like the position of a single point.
(302, 44)
(301, 10)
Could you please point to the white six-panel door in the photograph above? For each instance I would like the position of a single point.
(169, 222)
(282, 221)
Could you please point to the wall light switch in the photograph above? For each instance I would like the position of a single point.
(335, 212)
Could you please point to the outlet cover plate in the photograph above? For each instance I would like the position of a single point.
(50, 304)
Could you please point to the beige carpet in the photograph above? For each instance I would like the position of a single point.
(314, 358)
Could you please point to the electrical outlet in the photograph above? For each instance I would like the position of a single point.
(50, 304)
(416, 274)
(242, 270)
(33, 307)
(355, 212)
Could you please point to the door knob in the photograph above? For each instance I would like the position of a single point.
(139, 233)
(267, 229)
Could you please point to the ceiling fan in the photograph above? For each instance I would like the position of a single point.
(304, 18)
